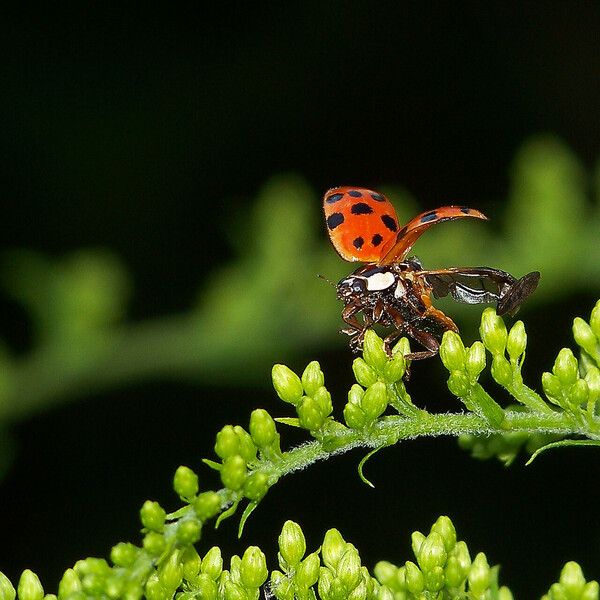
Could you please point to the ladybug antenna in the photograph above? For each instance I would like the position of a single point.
(327, 280)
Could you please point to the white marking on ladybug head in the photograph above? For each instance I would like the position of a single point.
(380, 281)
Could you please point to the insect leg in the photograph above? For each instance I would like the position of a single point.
(426, 339)
(356, 331)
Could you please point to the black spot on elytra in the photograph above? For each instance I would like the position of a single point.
(355, 194)
(389, 222)
(358, 243)
(361, 208)
(334, 198)
(376, 240)
(334, 220)
(464, 209)
(378, 197)
(430, 216)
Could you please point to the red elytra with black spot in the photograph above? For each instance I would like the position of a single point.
(363, 225)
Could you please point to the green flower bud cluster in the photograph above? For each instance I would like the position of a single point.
(499, 342)
(207, 579)
(379, 378)
(308, 395)
(587, 335)
(464, 364)
(443, 569)
(573, 586)
(241, 451)
(566, 388)
(337, 575)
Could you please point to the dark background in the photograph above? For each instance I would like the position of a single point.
(143, 131)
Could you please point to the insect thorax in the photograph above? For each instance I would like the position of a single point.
(370, 284)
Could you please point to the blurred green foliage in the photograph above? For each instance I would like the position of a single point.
(269, 303)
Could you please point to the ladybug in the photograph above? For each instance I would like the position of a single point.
(395, 291)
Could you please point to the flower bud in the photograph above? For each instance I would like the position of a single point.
(234, 472)
(591, 591)
(364, 374)
(355, 394)
(417, 539)
(325, 584)
(185, 483)
(115, 585)
(29, 587)
(191, 563)
(572, 580)
(432, 552)
(154, 543)
(386, 573)
(385, 593)
(207, 505)
(7, 590)
(205, 588)
(453, 573)
(234, 591)
(475, 362)
(312, 378)
(446, 530)
(517, 340)
(309, 414)
(373, 351)
(584, 336)
(461, 553)
(153, 515)
(292, 544)
(262, 428)
(281, 586)
(212, 563)
(247, 448)
(595, 320)
(154, 590)
(415, 582)
(452, 351)
(402, 346)
(188, 531)
(124, 554)
(323, 398)
(227, 443)
(435, 579)
(592, 378)
(458, 383)
(578, 393)
(566, 367)
(69, 584)
(170, 572)
(333, 548)
(354, 416)
(479, 575)
(395, 368)
(552, 387)
(374, 401)
(307, 573)
(349, 569)
(501, 370)
(253, 570)
(256, 486)
(493, 331)
(504, 593)
(287, 384)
